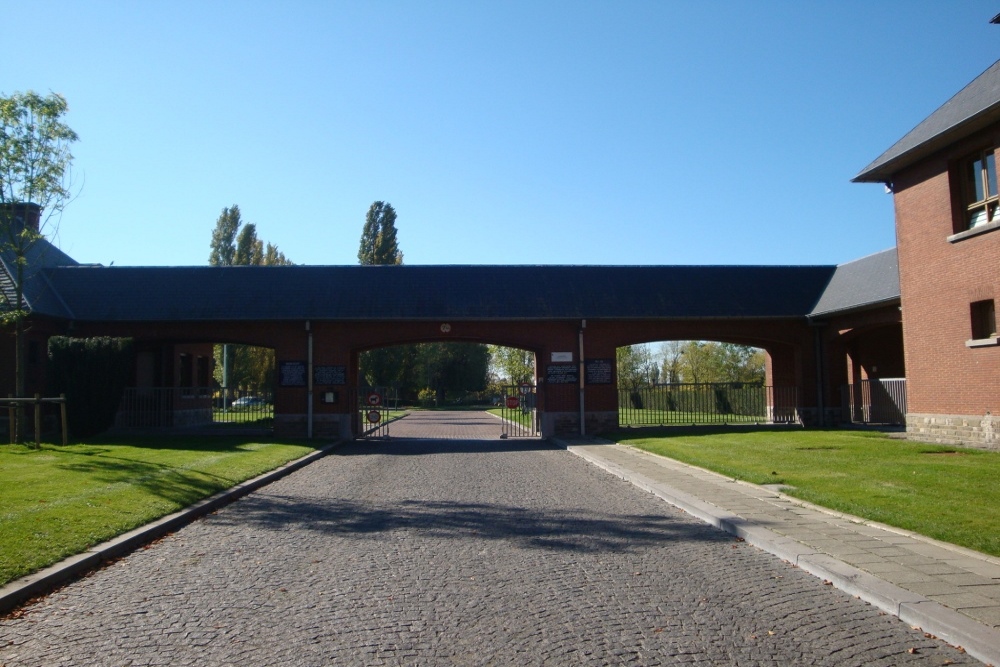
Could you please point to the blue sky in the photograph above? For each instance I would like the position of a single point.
(503, 133)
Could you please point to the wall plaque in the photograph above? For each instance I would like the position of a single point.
(329, 375)
(562, 374)
(292, 373)
(600, 371)
(562, 356)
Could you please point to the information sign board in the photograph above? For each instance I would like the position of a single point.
(562, 374)
(599, 371)
(292, 373)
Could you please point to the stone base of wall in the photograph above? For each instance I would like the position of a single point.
(976, 431)
(555, 424)
(324, 426)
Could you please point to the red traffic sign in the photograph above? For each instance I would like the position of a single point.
(525, 388)
(374, 416)
(513, 402)
(374, 398)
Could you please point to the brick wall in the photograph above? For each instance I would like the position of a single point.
(947, 380)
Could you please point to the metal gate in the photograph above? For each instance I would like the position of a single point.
(518, 412)
(374, 405)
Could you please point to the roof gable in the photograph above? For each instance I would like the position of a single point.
(971, 109)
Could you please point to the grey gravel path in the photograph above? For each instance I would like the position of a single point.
(456, 552)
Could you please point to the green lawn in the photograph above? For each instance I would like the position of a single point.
(941, 492)
(58, 501)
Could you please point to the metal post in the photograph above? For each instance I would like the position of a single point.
(583, 413)
(309, 383)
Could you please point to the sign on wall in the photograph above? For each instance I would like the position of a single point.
(292, 373)
(558, 357)
(325, 376)
(600, 371)
(562, 374)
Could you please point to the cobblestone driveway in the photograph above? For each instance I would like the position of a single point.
(455, 552)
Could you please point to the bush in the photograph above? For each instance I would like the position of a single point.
(92, 372)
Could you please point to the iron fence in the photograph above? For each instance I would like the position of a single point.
(707, 403)
(875, 401)
(519, 412)
(165, 407)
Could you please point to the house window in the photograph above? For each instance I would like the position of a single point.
(984, 321)
(979, 188)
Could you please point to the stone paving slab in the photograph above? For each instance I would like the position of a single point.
(947, 590)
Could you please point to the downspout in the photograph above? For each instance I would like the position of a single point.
(583, 413)
(309, 383)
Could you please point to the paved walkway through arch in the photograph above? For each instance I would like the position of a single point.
(447, 425)
(456, 552)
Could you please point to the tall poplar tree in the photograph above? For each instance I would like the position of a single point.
(236, 244)
(378, 238)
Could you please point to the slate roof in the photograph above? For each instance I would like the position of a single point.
(864, 283)
(972, 108)
(38, 293)
(435, 292)
(59, 287)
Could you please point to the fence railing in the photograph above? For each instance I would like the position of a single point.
(707, 403)
(877, 401)
(165, 407)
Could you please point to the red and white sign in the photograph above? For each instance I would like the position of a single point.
(374, 398)
(513, 402)
(525, 388)
(374, 416)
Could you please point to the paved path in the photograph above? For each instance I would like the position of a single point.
(456, 552)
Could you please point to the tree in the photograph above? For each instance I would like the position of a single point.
(636, 366)
(35, 161)
(378, 238)
(249, 249)
(453, 367)
(224, 237)
(511, 364)
(236, 244)
(671, 352)
(721, 362)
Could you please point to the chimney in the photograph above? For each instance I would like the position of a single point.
(20, 214)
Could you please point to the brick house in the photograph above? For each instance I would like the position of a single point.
(943, 178)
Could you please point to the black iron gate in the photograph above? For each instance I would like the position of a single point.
(518, 412)
(374, 405)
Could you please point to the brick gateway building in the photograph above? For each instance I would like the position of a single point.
(821, 326)
(943, 178)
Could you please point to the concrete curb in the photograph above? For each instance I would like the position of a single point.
(978, 640)
(20, 590)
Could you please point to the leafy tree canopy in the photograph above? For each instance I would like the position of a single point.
(378, 238)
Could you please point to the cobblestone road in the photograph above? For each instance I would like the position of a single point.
(464, 552)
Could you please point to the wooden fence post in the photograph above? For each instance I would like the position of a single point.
(62, 410)
(38, 421)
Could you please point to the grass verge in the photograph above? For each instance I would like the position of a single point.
(945, 493)
(58, 501)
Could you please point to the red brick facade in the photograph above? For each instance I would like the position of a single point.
(953, 387)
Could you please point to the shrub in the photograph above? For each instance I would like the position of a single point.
(92, 372)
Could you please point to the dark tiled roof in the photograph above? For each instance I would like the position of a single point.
(863, 283)
(38, 293)
(973, 108)
(436, 292)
